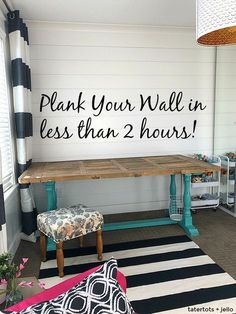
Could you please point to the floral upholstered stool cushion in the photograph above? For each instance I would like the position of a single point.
(69, 223)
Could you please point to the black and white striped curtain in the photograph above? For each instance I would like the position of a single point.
(3, 239)
(2, 205)
(21, 80)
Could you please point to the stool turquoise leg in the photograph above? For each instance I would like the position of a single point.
(52, 204)
(186, 222)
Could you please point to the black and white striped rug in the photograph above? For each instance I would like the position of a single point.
(169, 275)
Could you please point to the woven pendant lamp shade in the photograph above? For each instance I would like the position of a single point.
(216, 22)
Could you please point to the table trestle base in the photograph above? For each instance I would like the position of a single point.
(138, 224)
(186, 222)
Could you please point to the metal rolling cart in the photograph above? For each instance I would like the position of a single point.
(205, 187)
(228, 187)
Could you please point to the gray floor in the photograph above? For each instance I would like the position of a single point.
(217, 238)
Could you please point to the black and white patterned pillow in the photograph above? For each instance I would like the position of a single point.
(99, 293)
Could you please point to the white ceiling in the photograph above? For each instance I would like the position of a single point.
(130, 12)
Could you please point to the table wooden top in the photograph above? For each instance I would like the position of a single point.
(113, 168)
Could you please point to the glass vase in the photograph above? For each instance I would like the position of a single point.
(13, 295)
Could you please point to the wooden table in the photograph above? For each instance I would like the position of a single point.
(50, 172)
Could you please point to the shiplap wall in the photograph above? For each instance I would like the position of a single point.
(225, 108)
(120, 62)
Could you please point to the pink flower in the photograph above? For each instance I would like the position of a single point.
(3, 281)
(26, 284)
(22, 284)
(29, 284)
(21, 266)
(41, 285)
(18, 274)
(25, 260)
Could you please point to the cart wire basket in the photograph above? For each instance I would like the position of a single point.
(176, 208)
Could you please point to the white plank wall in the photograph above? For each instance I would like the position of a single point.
(120, 62)
(225, 109)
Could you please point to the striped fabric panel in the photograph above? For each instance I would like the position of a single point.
(18, 50)
(22, 99)
(23, 122)
(163, 275)
(21, 81)
(20, 73)
(15, 23)
(24, 155)
(2, 205)
(21, 168)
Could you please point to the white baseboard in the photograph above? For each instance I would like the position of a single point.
(15, 243)
(227, 211)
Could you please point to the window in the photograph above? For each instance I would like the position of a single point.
(5, 130)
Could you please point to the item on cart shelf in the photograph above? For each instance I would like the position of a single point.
(195, 198)
(200, 157)
(231, 194)
(208, 196)
(205, 158)
(203, 178)
(212, 160)
(209, 174)
(231, 174)
(231, 156)
(196, 179)
(205, 196)
(223, 172)
(207, 177)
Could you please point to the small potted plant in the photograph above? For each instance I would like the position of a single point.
(9, 278)
(9, 272)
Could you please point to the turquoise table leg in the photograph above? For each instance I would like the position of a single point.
(51, 195)
(52, 204)
(172, 186)
(186, 222)
(172, 197)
